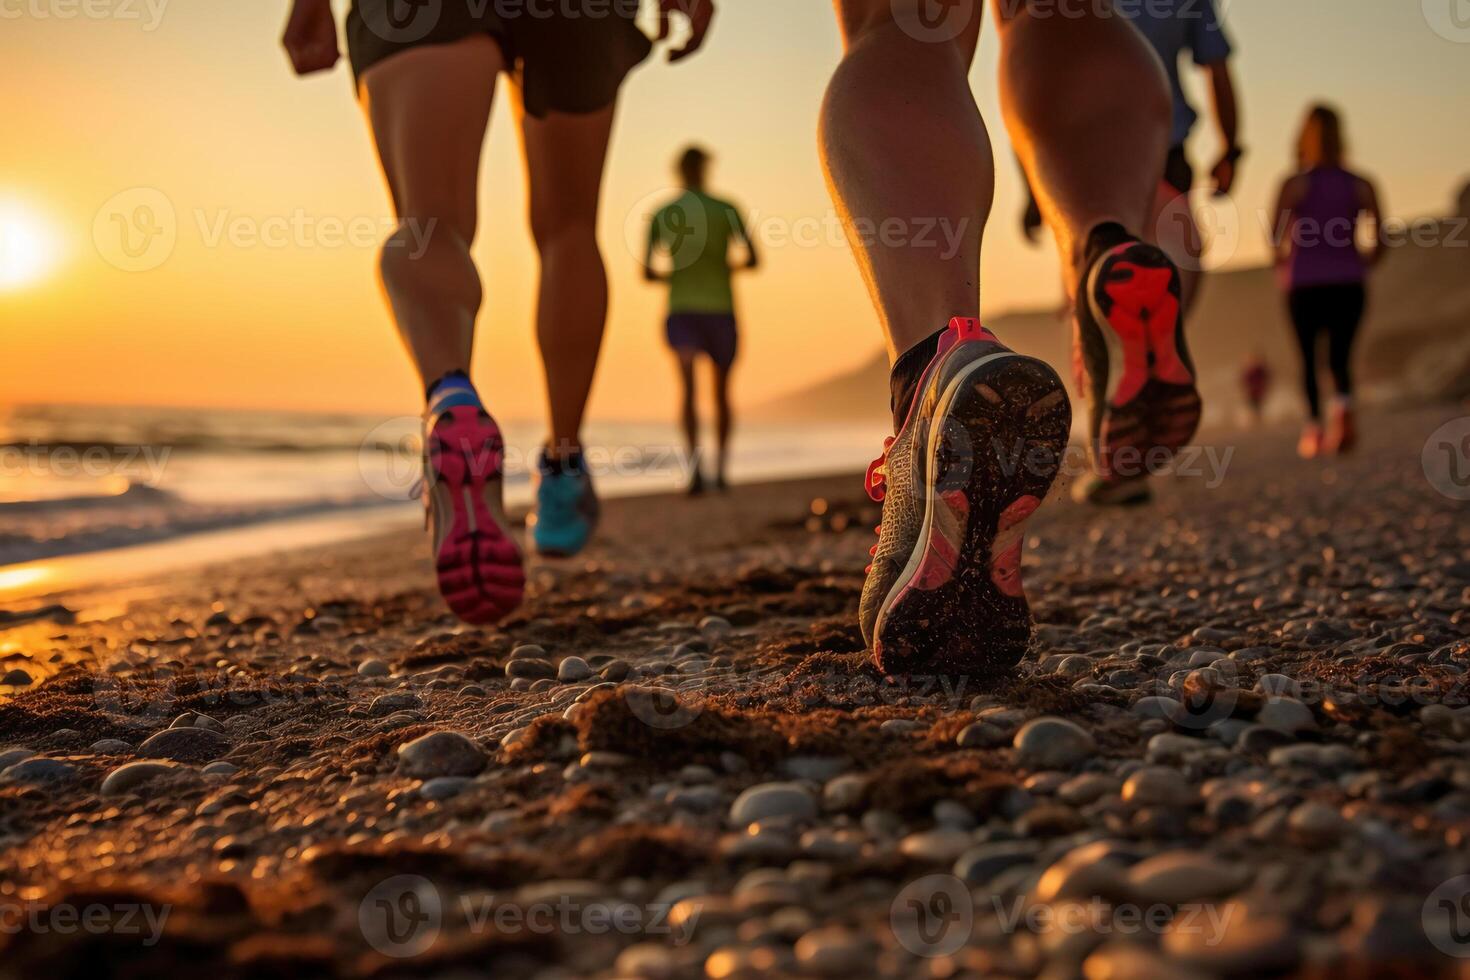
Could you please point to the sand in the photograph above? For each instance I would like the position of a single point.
(572, 804)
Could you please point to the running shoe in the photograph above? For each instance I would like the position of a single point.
(983, 439)
(1093, 489)
(1132, 362)
(566, 507)
(477, 560)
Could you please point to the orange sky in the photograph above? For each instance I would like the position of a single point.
(189, 109)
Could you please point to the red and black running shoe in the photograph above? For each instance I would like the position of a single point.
(983, 440)
(1132, 362)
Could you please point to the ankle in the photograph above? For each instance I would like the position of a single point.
(907, 370)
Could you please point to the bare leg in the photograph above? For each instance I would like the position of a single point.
(564, 157)
(722, 420)
(902, 142)
(689, 412)
(1088, 107)
(428, 109)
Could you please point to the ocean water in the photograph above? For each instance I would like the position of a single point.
(77, 479)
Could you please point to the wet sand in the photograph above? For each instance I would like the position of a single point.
(1258, 737)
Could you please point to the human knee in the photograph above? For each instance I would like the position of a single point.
(560, 223)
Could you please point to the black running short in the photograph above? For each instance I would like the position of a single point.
(566, 55)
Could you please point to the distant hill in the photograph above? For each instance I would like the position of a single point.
(1415, 345)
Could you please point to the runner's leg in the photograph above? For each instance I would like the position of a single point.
(564, 156)
(902, 142)
(1088, 107)
(428, 108)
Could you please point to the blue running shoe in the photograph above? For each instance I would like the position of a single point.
(566, 506)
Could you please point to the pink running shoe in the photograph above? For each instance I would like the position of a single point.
(478, 562)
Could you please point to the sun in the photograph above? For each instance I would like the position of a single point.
(29, 246)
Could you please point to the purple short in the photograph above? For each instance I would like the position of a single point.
(705, 333)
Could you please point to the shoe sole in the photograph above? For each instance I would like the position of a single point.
(1151, 405)
(478, 563)
(995, 446)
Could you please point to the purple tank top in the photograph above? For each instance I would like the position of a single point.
(1324, 232)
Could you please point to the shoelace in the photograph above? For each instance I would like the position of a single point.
(876, 484)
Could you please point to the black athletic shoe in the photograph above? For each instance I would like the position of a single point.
(983, 440)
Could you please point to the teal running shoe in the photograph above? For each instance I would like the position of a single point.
(566, 507)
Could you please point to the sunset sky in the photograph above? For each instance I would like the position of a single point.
(189, 109)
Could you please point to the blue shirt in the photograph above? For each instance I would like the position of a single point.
(1173, 27)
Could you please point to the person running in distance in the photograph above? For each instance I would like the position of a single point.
(1174, 29)
(1324, 274)
(427, 83)
(696, 230)
(980, 431)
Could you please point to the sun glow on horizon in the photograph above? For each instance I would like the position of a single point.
(30, 248)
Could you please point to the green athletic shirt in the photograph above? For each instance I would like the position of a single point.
(696, 229)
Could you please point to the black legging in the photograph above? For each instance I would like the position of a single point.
(1338, 310)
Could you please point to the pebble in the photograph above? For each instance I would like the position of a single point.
(817, 768)
(715, 627)
(387, 704)
(529, 668)
(440, 754)
(1157, 786)
(39, 770)
(220, 768)
(900, 726)
(1052, 743)
(185, 745)
(982, 735)
(1157, 706)
(126, 778)
(979, 865)
(1087, 788)
(443, 787)
(1249, 943)
(790, 801)
(834, 951)
(106, 746)
(1179, 877)
(573, 669)
(11, 756)
(942, 845)
(647, 961)
(1131, 960)
(528, 651)
(373, 667)
(844, 793)
(16, 677)
(1315, 824)
(1286, 715)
